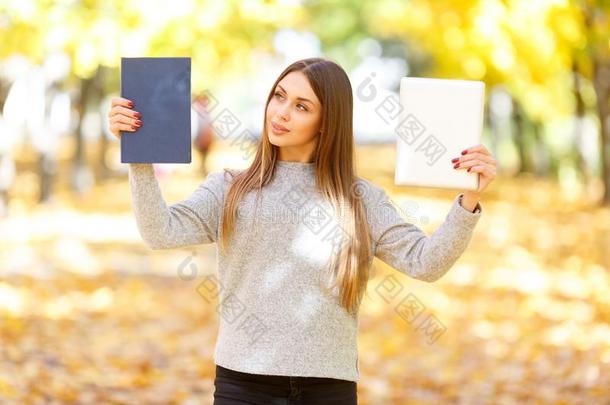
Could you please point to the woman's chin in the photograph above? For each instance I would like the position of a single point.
(276, 140)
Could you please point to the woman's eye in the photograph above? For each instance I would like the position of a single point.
(298, 105)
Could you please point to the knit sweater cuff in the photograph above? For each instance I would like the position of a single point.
(460, 215)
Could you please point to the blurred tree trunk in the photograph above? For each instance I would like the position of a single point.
(595, 17)
(578, 123)
(4, 182)
(82, 177)
(520, 137)
(101, 169)
(79, 168)
(601, 83)
(5, 86)
(490, 122)
(544, 164)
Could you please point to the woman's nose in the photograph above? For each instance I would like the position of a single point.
(283, 113)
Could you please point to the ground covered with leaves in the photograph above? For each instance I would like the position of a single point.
(88, 314)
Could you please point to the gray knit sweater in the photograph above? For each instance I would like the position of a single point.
(275, 317)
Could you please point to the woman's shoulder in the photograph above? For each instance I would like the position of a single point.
(370, 192)
(222, 177)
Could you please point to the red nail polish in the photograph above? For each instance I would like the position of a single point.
(138, 122)
(456, 165)
(454, 160)
(468, 169)
(137, 115)
(465, 151)
(130, 104)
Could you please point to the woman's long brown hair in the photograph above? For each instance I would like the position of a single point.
(334, 172)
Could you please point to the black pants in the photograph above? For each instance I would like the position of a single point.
(236, 388)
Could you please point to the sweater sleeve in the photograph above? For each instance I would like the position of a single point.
(191, 221)
(408, 249)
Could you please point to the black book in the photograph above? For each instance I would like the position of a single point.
(160, 89)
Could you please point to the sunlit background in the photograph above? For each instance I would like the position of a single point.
(89, 314)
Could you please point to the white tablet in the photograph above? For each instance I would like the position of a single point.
(438, 119)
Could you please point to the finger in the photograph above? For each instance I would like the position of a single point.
(123, 119)
(483, 169)
(475, 156)
(120, 110)
(121, 101)
(118, 127)
(477, 148)
(469, 163)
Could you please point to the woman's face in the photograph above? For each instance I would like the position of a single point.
(295, 107)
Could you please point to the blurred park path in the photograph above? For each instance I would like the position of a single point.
(90, 315)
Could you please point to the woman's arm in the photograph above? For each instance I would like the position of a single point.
(471, 200)
(408, 249)
(188, 222)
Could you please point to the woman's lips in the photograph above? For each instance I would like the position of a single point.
(278, 130)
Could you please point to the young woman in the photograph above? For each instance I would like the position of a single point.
(296, 234)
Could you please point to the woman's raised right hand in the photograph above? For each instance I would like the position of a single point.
(122, 117)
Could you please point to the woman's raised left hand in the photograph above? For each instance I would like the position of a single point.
(477, 159)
